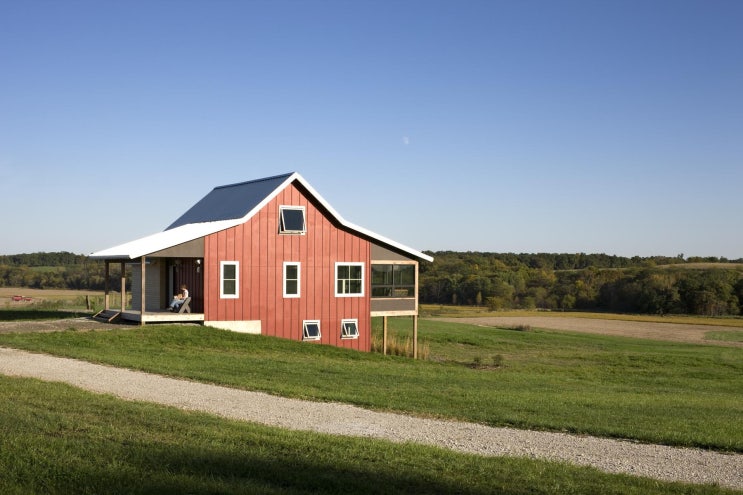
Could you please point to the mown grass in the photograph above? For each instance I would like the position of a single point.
(34, 313)
(449, 311)
(657, 392)
(731, 336)
(55, 439)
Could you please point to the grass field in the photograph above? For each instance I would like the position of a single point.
(55, 439)
(54, 299)
(449, 311)
(670, 393)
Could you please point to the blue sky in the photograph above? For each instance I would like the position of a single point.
(506, 126)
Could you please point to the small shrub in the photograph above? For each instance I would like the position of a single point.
(498, 360)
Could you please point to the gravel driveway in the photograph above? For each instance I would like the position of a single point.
(660, 462)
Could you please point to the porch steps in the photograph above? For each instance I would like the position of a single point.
(107, 315)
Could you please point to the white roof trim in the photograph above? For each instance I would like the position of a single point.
(351, 226)
(163, 240)
(189, 232)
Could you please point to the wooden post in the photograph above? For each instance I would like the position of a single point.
(384, 335)
(415, 317)
(415, 337)
(123, 286)
(143, 297)
(106, 286)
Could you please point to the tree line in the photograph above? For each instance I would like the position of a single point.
(656, 285)
(552, 281)
(59, 270)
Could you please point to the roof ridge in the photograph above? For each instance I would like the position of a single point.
(255, 180)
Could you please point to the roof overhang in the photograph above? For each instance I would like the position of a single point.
(163, 240)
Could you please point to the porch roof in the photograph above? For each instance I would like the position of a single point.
(163, 240)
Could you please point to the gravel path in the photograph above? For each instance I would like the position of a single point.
(660, 462)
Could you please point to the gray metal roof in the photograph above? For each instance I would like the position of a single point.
(227, 206)
(230, 202)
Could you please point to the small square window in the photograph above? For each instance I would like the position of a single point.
(311, 330)
(349, 329)
(291, 220)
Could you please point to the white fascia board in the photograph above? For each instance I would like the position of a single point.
(163, 240)
(351, 226)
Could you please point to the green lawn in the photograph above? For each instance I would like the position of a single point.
(55, 439)
(728, 336)
(659, 392)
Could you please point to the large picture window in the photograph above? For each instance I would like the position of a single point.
(393, 280)
(349, 279)
(291, 220)
(229, 277)
(291, 279)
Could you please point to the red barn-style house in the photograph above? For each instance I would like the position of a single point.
(270, 257)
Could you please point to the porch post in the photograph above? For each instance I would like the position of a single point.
(415, 337)
(123, 286)
(142, 295)
(415, 317)
(106, 286)
(384, 335)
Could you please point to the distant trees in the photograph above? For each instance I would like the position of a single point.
(657, 285)
(61, 270)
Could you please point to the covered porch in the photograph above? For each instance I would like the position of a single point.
(153, 282)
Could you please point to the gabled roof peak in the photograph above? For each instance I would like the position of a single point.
(230, 205)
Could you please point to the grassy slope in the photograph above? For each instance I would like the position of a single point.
(650, 391)
(55, 439)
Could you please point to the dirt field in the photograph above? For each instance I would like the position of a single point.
(675, 332)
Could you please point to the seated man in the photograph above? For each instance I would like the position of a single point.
(178, 299)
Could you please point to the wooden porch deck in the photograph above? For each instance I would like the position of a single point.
(163, 316)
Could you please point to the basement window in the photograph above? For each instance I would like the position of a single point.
(311, 330)
(349, 329)
(291, 220)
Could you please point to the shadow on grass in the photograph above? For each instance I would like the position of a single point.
(38, 314)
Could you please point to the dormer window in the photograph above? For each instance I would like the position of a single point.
(291, 220)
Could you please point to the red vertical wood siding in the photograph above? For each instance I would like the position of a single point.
(261, 252)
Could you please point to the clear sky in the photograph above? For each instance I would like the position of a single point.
(597, 126)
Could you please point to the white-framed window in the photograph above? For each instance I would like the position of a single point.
(349, 329)
(291, 220)
(229, 279)
(292, 278)
(311, 330)
(349, 279)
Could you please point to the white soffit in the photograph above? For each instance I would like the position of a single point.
(163, 240)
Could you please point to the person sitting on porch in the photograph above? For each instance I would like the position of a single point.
(179, 298)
